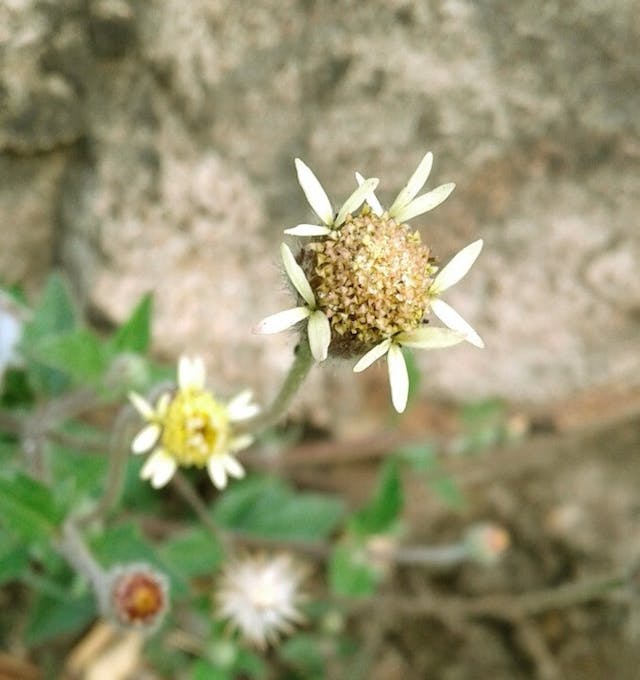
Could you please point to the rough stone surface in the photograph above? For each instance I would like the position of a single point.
(149, 146)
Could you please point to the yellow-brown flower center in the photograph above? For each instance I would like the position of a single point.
(195, 428)
(370, 278)
(138, 598)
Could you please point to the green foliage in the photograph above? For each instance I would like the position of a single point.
(14, 557)
(27, 507)
(382, 511)
(351, 573)
(267, 507)
(302, 653)
(135, 333)
(190, 553)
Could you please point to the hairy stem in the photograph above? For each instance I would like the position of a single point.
(295, 377)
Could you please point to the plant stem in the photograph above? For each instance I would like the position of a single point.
(118, 455)
(75, 551)
(300, 367)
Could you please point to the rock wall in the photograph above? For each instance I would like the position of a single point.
(148, 145)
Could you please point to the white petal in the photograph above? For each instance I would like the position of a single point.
(217, 471)
(356, 199)
(456, 268)
(314, 192)
(371, 199)
(242, 441)
(280, 321)
(398, 378)
(142, 406)
(429, 337)
(233, 467)
(308, 230)
(146, 439)
(159, 468)
(413, 186)
(296, 275)
(191, 373)
(319, 332)
(162, 405)
(424, 203)
(241, 408)
(453, 320)
(372, 355)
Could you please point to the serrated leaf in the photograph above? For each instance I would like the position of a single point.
(267, 507)
(135, 333)
(350, 574)
(384, 508)
(28, 508)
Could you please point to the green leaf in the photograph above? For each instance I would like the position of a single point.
(302, 652)
(203, 670)
(135, 333)
(192, 553)
(384, 508)
(350, 573)
(27, 507)
(14, 558)
(51, 617)
(267, 507)
(77, 353)
(77, 476)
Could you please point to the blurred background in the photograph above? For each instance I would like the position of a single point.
(149, 146)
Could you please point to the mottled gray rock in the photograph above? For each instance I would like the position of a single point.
(162, 137)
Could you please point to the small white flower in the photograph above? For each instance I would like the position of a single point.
(260, 597)
(12, 318)
(319, 201)
(318, 327)
(424, 337)
(191, 428)
(449, 275)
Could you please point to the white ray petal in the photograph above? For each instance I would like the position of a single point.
(453, 320)
(398, 378)
(162, 405)
(217, 471)
(159, 468)
(372, 355)
(456, 268)
(142, 406)
(233, 467)
(429, 337)
(296, 275)
(314, 192)
(371, 199)
(280, 321)
(241, 408)
(356, 199)
(242, 441)
(308, 230)
(319, 332)
(413, 186)
(146, 438)
(191, 373)
(423, 203)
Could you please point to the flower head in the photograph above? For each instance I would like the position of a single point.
(191, 428)
(135, 596)
(260, 596)
(367, 280)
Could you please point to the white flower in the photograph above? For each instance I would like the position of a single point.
(321, 205)
(191, 428)
(423, 337)
(449, 275)
(260, 597)
(12, 319)
(318, 328)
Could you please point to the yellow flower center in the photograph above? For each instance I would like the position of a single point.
(196, 427)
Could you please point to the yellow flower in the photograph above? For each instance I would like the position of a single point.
(191, 428)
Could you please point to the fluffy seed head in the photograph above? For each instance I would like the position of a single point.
(370, 278)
